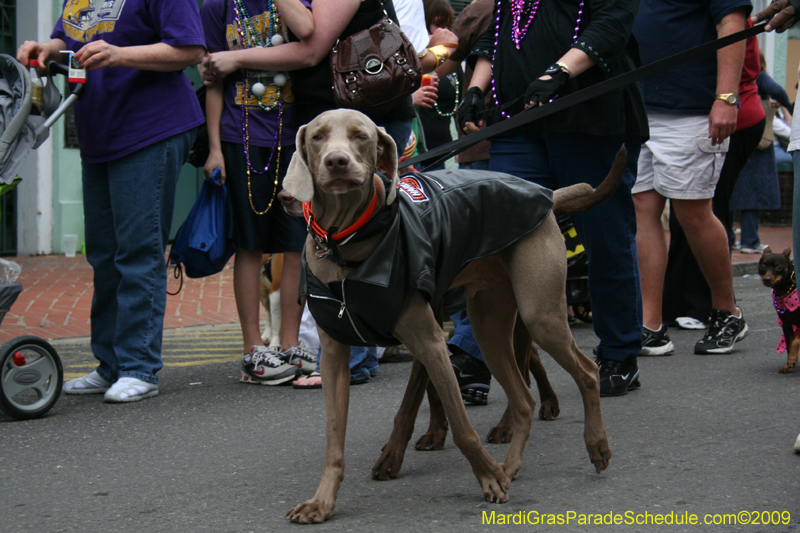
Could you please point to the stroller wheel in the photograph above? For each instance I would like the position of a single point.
(31, 377)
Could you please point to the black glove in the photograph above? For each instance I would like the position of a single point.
(470, 108)
(542, 91)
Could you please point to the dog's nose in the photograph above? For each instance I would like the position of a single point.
(336, 161)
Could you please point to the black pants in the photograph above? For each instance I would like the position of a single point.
(686, 292)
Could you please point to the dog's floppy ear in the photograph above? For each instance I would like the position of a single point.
(387, 160)
(298, 181)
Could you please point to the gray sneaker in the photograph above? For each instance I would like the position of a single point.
(266, 367)
(302, 357)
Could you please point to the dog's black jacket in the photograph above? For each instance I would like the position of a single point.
(445, 220)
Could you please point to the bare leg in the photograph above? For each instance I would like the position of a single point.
(247, 291)
(291, 311)
(651, 243)
(709, 242)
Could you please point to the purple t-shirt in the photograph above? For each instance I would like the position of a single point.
(262, 125)
(123, 109)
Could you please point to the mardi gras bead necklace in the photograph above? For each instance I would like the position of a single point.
(517, 12)
(251, 38)
(517, 34)
(439, 112)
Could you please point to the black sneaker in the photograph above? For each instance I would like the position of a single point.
(656, 342)
(724, 330)
(617, 378)
(473, 376)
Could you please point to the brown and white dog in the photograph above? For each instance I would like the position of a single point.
(333, 172)
(271, 273)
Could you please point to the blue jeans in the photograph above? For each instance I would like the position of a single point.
(749, 223)
(128, 205)
(608, 231)
(462, 336)
(363, 361)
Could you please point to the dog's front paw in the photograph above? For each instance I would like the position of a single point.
(788, 369)
(310, 512)
(495, 485)
(599, 452)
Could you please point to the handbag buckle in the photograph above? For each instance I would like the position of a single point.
(351, 79)
(399, 59)
(373, 66)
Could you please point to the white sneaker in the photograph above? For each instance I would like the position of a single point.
(130, 390)
(797, 444)
(89, 384)
(757, 250)
(302, 357)
(687, 322)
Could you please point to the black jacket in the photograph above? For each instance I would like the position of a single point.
(444, 220)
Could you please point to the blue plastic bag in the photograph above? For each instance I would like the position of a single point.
(202, 244)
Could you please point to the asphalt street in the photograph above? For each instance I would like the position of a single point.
(705, 435)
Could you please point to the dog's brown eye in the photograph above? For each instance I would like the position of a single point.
(317, 137)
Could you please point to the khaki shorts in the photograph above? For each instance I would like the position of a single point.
(679, 161)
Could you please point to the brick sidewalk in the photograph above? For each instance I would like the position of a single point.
(57, 295)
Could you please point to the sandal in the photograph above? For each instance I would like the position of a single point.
(89, 384)
(312, 381)
(396, 354)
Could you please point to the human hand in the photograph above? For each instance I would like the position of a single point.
(426, 96)
(780, 16)
(215, 160)
(31, 49)
(217, 66)
(470, 109)
(545, 88)
(721, 122)
(444, 37)
(99, 54)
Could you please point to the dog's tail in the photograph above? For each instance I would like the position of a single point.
(582, 197)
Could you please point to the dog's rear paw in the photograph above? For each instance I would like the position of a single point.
(549, 409)
(788, 369)
(310, 512)
(432, 440)
(388, 464)
(500, 434)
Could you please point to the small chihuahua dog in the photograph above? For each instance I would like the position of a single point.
(777, 273)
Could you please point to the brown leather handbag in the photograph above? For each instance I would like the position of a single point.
(375, 69)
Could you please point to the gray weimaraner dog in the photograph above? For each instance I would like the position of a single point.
(334, 174)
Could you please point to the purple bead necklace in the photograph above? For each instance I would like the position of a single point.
(517, 11)
(517, 34)
(244, 26)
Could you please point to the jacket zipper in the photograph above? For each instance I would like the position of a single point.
(344, 305)
(342, 310)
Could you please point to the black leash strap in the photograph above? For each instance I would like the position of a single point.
(446, 151)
